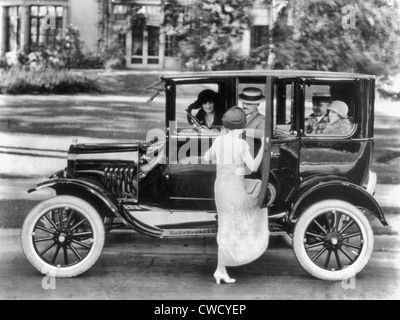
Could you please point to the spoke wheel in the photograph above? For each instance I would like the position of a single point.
(333, 240)
(63, 235)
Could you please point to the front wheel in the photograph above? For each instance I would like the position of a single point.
(63, 236)
(333, 240)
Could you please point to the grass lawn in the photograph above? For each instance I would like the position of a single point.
(124, 83)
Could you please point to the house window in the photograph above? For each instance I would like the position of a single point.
(41, 36)
(154, 44)
(14, 28)
(122, 41)
(171, 46)
(120, 12)
(259, 36)
(146, 45)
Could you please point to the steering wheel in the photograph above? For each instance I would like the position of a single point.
(196, 124)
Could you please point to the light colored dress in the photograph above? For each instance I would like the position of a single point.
(243, 233)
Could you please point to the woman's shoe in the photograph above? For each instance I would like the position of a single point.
(223, 276)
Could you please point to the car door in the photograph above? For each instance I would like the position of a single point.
(190, 178)
(339, 154)
(285, 146)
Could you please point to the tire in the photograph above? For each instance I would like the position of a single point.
(348, 232)
(76, 239)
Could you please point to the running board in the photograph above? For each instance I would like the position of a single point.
(140, 219)
(190, 233)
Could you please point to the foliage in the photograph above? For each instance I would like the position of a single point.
(387, 89)
(207, 31)
(70, 51)
(317, 40)
(21, 81)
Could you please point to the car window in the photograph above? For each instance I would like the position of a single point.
(330, 109)
(187, 100)
(283, 118)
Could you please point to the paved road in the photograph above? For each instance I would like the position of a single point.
(135, 267)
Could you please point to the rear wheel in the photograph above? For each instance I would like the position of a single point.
(333, 240)
(63, 236)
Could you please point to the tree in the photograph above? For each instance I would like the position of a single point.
(317, 40)
(206, 32)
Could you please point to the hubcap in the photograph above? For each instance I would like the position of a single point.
(333, 240)
(62, 237)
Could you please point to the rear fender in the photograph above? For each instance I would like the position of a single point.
(337, 190)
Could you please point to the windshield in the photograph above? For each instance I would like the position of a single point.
(155, 89)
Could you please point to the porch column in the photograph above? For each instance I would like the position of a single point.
(162, 48)
(65, 20)
(129, 49)
(3, 31)
(25, 28)
(246, 43)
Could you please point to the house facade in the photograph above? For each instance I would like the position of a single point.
(151, 48)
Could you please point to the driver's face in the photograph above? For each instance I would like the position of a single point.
(320, 108)
(208, 107)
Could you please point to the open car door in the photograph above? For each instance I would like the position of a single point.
(266, 163)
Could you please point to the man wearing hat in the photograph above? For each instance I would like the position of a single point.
(318, 120)
(251, 99)
(339, 124)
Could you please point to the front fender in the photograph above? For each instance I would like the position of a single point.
(338, 190)
(81, 189)
(102, 201)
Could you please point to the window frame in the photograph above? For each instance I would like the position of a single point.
(356, 123)
(50, 35)
(259, 36)
(172, 117)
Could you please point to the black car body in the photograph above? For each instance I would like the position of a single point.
(163, 187)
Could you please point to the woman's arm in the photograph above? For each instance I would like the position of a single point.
(253, 164)
(210, 154)
(254, 133)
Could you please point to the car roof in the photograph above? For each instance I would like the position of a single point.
(273, 73)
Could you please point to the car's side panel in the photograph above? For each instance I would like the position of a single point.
(346, 158)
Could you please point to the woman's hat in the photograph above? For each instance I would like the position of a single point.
(206, 96)
(340, 108)
(234, 118)
(252, 95)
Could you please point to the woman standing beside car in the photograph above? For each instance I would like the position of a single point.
(243, 233)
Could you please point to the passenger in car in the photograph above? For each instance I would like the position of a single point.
(251, 99)
(317, 121)
(211, 111)
(339, 124)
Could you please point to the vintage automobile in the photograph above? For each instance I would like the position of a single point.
(318, 187)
